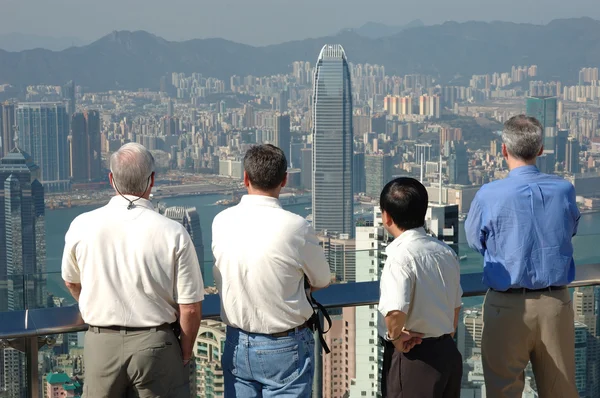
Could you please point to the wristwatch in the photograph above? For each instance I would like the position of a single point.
(388, 338)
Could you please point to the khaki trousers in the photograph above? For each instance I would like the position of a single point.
(523, 327)
(144, 364)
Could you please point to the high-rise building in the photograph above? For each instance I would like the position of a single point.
(339, 367)
(43, 129)
(68, 95)
(371, 240)
(332, 143)
(441, 222)
(560, 152)
(378, 172)
(458, 165)
(282, 135)
(581, 358)
(84, 147)
(189, 218)
(22, 251)
(340, 252)
(543, 109)
(208, 350)
(585, 307)
(359, 178)
(7, 127)
(572, 156)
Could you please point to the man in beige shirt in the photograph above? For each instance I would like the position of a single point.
(134, 273)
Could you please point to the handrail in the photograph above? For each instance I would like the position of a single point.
(47, 321)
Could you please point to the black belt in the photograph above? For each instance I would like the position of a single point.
(525, 290)
(287, 332)
(127, 329)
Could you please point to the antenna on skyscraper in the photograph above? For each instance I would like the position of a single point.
(440, 193)
(422, 174)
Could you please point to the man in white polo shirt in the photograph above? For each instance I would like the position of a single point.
(263, 254)
(420, 293)
(134, 273)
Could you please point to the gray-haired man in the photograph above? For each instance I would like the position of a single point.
(523, 225)
(134, 272)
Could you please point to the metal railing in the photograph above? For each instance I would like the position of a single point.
(29, 330)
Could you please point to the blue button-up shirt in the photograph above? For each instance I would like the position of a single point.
(523, 225)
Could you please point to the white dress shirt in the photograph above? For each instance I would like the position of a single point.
(421, 277)
(135, 266)
(262, 254)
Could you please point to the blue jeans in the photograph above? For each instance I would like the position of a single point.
(258, 365)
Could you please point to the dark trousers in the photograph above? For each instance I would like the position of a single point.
(432, 369)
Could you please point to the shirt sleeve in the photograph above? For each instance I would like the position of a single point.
(69, 267)
(396, 287)
(189, 287)
(313, 260)
(474, 229)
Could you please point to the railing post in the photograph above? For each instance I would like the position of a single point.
(32, 373)
(318, 376)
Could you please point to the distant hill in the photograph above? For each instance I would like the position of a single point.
(20, 42)
(376, 30)
(138, 59)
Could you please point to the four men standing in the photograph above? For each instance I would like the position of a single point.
(135, 274)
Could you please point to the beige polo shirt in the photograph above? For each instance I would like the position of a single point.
(135, 266)
(262, 253)
(421, 277)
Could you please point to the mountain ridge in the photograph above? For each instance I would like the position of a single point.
(135, 59)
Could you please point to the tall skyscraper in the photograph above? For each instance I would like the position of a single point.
(332, 143)
(190, 219)
(543, 109)
(43, 130)
(68, 94)
(359, 179)
(282, 135)
(7, 127)
(458, 165)
(378, 172)
(22, 251)
(572, 156)
(84, 146)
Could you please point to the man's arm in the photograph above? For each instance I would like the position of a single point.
(456, 315)
(69, 266)
(474, 228)
(74, 289)
(313, 260)
(189, 293)
(190, 316)
(403, 340)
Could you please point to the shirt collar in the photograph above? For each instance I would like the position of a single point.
(522, 170)
(260, 200)
(406, 235)
(119, 200)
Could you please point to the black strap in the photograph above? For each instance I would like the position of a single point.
(316, 321)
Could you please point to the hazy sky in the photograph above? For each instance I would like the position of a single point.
(263, 21)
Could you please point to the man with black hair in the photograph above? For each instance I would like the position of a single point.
(262, 256)
(420, 300)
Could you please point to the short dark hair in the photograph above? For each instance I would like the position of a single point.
(405, 200)
(265, 166)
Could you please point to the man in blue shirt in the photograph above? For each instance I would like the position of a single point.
(523, 225)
